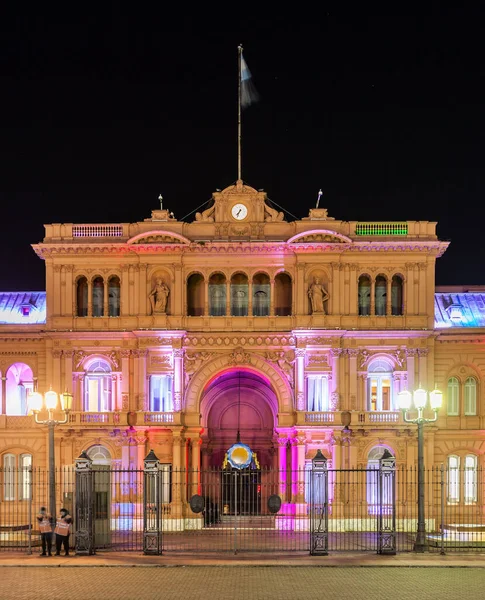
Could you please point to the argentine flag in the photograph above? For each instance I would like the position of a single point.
(249, 95)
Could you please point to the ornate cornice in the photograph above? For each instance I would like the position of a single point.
(51, 250)
(246, 341)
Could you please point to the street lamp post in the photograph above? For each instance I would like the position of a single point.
(48, 401)
(420, 400)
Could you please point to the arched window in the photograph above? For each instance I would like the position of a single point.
(195, 295)
(97, 387)
(261, 295)
(99, 455)
(470, 396)
(114, 288)
(239, 295)
(20, 382)
(317, 393)
(82, 297)
(364, 296)
(453, 398)
(98, 297)
(381, 295)
(397, 295)
(217, 295)
(373, 500)
(379, 386)
(283, 295)
(161, 393)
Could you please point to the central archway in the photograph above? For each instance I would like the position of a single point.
(239, 405)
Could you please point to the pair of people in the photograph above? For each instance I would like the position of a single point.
(62, 531)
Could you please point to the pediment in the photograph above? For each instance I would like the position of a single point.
(318, 236)
(159, 237)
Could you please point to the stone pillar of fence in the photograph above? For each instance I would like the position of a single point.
(386, 522)
(319, 506)
(152, 505)
(84, 514)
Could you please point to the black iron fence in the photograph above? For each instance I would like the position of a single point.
(318, 510)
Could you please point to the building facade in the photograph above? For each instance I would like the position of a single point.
(186, 337)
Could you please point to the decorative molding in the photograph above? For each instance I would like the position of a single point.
(236, 340)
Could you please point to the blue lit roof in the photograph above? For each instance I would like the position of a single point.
(459, 310)
(22, 308)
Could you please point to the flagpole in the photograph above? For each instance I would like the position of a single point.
(239, 169)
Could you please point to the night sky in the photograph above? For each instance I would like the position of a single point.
(103, 110)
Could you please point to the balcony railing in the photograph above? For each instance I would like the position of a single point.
(159, 417)
(320, 417)
(384, 417)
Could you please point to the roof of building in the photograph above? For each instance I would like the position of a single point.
(22, 308)
(459, 309)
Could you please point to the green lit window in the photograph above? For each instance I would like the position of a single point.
(381, 229)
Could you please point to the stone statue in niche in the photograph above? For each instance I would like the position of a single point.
(158, 297)
(318, 295)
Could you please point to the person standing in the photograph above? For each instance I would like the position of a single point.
(62, 531)
(45, 527)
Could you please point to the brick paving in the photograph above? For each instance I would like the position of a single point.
(240, 583)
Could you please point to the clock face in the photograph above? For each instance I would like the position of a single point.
(239, 211)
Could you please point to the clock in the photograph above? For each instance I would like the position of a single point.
(239, 211)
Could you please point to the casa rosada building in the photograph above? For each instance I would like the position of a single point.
(182, 337)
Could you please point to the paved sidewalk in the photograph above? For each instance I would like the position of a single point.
(134, 559)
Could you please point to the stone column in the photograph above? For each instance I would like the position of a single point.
(69, 306)
(272, 298)
(423, 368)
(90, 298)
(177, 291)
(335, 353)
(346, 291)
(178, 379)
(301, 290)
(106, 299)
(298, 478)
(282, 467)
(56, 308)
(352, 353)
(178, 474)
(410, 355)
(373, 297)
(353, 289)
(4, 396)
(300, 379)
(228, 298)
(56, 371)
(67, 384)
(389, 297)
(416, 288)
(206, 297)
(195, 443)
(250, 297)
(125, 379)
(143, 400)
(125, 291)
(422, 287)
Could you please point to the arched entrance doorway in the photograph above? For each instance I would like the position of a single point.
(239, 407)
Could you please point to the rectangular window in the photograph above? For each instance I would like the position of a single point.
(470, 397)
(161, 393)
(453, 479)
(25, 476)
(9, 464)
(317, 393)
(470, 491)
(453, 399)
